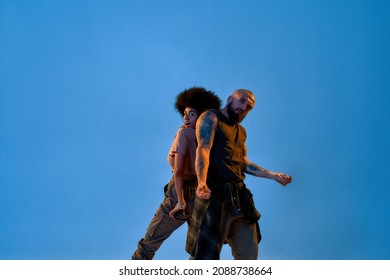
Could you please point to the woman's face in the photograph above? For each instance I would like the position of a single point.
(190, 117)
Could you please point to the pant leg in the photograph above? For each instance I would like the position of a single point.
(198, 213)
(160, 228)
(209, 244)
(242, 238)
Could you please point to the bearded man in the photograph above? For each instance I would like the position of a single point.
(224, 210)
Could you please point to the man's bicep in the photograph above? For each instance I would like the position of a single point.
(205, 128)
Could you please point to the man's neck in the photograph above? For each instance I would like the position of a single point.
(225, 113)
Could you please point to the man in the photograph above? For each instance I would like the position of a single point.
(224, 210)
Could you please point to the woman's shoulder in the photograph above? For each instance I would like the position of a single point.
(185, 132)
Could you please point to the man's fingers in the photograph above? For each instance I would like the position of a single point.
(204, 195)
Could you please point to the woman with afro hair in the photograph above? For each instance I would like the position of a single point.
(177, 206)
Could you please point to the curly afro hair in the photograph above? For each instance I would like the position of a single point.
(198, 98)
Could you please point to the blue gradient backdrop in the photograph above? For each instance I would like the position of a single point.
(86, 120)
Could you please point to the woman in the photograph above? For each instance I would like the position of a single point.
(177, 205)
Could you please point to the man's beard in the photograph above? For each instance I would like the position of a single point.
(233, 116)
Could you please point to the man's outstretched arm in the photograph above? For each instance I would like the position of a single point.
(258, 171)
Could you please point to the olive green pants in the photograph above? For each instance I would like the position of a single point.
(162, 226)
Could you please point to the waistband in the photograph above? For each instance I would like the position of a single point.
(190, 182)
(214, 184)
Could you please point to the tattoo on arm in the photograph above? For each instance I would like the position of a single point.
(205, 132)
(201, 165)
(256, 170)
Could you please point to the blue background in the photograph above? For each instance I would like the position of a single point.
(86, 120)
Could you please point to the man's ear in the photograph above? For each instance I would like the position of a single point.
(230, 98)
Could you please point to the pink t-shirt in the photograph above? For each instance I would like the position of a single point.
(185, 143)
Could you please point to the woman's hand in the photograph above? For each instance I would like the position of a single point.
(178, 207)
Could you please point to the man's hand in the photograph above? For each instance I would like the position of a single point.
(203, 191)
(283, 179)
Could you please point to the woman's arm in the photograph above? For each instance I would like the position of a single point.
(178, 177)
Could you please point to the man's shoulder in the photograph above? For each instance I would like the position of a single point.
(211, 114)
(215, 111)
